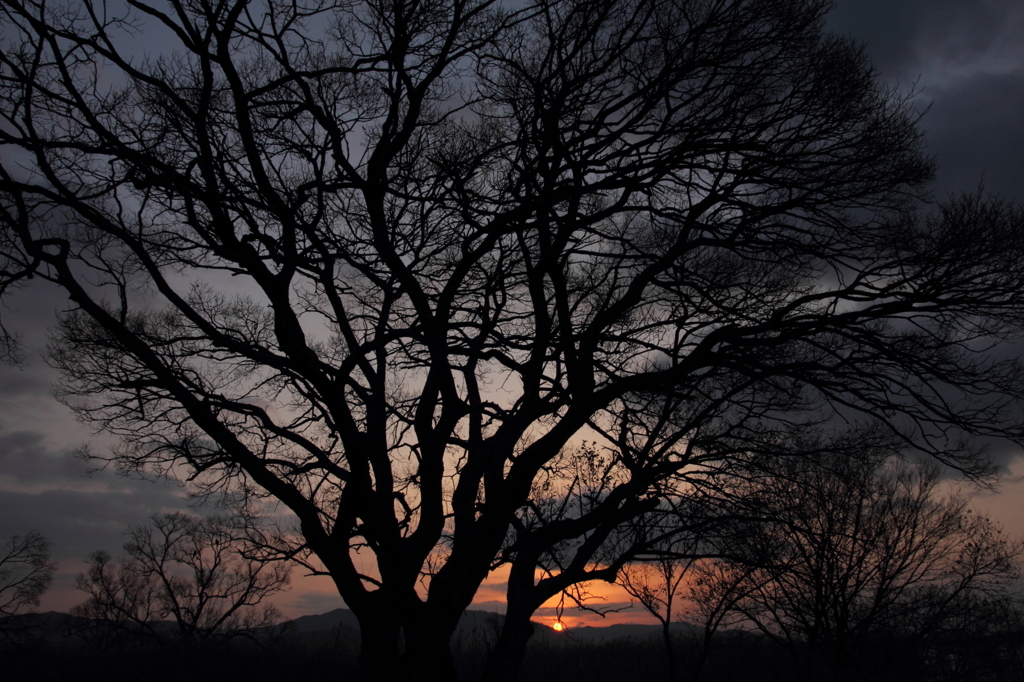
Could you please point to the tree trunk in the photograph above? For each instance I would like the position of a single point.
(380, 658)
(426, 656)
(705, 652)
(428, 653)
(506, 659)
(666, 635)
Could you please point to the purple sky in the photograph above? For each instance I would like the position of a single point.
(964, 59)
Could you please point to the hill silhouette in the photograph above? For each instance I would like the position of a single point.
(487, 623)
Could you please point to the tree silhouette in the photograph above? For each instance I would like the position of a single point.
(25, 574)
(849, 552)
(204, 574)
(659, 585)
(385, 261)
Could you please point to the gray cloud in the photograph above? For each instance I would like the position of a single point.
(976, 128)
(46, 489)
(26, 461)
(907, 38)
(78, 523)
(965, 61)
(21, 381)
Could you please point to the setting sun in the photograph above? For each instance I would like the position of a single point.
(559, 626)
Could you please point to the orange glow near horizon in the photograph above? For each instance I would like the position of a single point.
(622, 609)
(315, 595)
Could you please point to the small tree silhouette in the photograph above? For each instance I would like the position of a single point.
(659, 585)
(26, 572)
(204, 574)
(838, 552)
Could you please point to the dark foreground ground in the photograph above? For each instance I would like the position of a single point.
(326, 650)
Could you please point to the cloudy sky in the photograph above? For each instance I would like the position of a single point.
(962, 59)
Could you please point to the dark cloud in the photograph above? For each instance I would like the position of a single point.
(906, 38)
(27, 405)
(79, 522)
(888, 29)
(964, 59)
(47, 489)
(976, 129)
(26, 461)
(21, 381)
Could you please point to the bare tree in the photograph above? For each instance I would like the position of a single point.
(123, 608)
(717, 587)
(201, 573)
(659, 586)
(25, 574)
(384, 261)
(848, 550)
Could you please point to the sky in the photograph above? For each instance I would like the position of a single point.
(962, 61)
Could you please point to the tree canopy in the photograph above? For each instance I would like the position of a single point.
(385, 262)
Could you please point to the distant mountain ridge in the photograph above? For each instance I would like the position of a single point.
(482, 623)
(472, 621)
(474, 625)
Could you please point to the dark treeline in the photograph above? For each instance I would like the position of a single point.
(994, 654)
